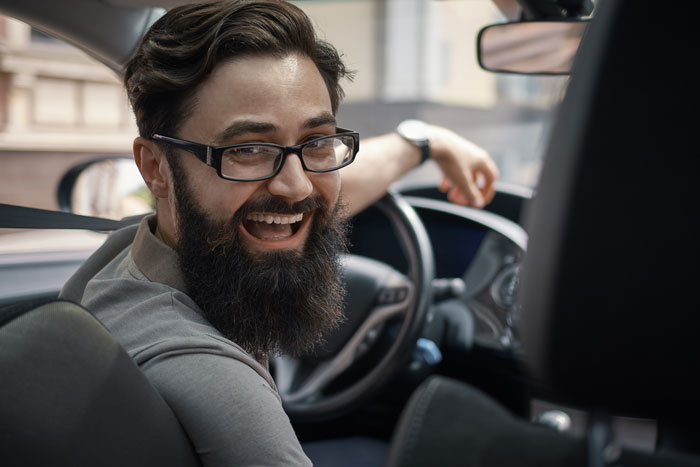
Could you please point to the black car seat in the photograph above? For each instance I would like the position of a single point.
(70, 395)
(610, 317)
(608, 291)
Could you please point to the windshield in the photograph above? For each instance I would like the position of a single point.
(418, 59)
(412, 60)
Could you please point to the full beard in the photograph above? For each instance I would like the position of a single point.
(266, 302)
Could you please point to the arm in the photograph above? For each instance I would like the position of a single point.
(230, 413)
(468, 171)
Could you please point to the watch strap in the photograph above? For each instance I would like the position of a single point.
(424, 150)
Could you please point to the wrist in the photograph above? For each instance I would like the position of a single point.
(441, 140)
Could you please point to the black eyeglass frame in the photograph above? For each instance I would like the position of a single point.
(211, 155)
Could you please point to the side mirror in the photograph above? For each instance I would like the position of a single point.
(107, 186)
(530, 47)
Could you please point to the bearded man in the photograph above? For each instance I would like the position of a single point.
(235, 103)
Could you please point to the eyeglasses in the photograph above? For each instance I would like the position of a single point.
(251, 162)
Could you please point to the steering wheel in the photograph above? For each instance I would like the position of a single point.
(376, 293)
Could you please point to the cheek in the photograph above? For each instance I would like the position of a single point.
(327, 185)
(221, 198)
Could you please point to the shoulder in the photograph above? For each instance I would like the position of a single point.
(136, 311)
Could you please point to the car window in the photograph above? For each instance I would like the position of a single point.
(413, 59)
(58, 107)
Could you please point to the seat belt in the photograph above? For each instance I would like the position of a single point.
(22, 217)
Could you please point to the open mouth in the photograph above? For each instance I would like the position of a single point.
(272, 226)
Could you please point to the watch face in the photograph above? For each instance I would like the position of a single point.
(414, 130)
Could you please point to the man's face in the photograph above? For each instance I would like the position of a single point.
(262, 99)
(261, 258)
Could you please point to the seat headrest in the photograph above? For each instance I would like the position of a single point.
(608, 284)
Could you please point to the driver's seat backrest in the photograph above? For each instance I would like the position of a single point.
(70, 395)
(609, 283)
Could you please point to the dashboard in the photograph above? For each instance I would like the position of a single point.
(477, 262)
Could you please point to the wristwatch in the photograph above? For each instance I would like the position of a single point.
(416, 133)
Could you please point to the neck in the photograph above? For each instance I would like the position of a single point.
(164, 230)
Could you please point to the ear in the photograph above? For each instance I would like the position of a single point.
(153, 166)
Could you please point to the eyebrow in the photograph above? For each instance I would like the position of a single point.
(251, 126)
(323, 119)
(242, 127)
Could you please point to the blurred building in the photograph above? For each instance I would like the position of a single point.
(57, 107)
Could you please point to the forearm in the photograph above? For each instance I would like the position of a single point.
(469, 173)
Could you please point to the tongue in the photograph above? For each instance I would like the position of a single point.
(265, 231)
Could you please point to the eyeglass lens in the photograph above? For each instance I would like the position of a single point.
(257, 160)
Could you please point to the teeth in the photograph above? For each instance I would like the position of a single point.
(270, 219)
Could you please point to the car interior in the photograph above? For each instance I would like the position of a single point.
(603, 258)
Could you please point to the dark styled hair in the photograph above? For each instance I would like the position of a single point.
(185, 45)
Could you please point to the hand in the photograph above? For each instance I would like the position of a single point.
(469, 173)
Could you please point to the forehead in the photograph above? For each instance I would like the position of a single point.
(282, 91)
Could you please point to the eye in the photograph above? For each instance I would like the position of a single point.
(253, 150)
(245, 151)
(319, 144)
(251, 154)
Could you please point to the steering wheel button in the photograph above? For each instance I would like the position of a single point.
(385, 297)
(392, 295)
(401, 294)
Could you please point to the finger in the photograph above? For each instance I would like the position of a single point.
(471, 192)
(445, 184)
(488, 197)
(487, 188)
(456, 196)
(460, 178)
(487, 172)
(490, 171)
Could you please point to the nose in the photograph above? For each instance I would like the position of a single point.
(292, 182)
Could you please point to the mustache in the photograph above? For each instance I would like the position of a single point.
(221, 237)
(281, 206)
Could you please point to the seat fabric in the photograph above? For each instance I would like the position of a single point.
(70, 395)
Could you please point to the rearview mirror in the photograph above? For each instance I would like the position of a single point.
(530, 47)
